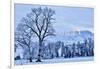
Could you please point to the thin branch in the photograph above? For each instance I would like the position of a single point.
(33, 30)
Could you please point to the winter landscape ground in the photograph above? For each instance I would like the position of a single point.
(55, 60)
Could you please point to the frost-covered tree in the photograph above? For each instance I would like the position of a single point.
(40, 21)
(23, 38)
(91, 47)
(57, 47)
(74, 49)
(62, 50)
(50, 48)
(80, 48)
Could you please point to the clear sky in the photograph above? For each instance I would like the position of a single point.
(67, 18)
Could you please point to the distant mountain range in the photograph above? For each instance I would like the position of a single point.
(73, 36)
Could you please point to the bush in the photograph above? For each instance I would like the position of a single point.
(17, 58)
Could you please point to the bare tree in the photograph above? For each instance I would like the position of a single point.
(40, 22)
(23, 38)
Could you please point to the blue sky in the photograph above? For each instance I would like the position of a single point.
(67, 18)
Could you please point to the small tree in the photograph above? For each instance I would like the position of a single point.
(91, 47)
(58, 45)
(23, 38)
(73, 50)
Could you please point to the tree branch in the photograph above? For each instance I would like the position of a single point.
(33, 30)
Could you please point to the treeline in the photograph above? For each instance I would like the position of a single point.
(60, 50)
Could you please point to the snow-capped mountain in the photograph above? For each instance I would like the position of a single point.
(83, 34)
(73, 36)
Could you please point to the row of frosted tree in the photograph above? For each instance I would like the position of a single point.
(59, 49)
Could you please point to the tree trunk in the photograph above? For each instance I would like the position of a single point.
(30, 59)
(39, 52)
(39, 56)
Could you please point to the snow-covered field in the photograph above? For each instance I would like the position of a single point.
(55, 60)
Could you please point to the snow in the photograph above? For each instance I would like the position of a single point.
(55, 60)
